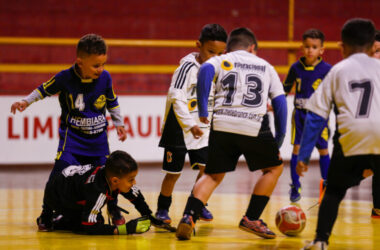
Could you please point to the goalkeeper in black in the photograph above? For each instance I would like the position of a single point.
(78, 193)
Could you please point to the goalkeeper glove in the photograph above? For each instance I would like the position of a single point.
(136, 226)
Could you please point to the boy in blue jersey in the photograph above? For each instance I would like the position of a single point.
(85, 92)
(307, 74)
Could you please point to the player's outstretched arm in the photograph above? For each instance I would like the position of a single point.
(20, 106)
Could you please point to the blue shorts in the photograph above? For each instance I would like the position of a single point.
(298, 122)
(65, 159)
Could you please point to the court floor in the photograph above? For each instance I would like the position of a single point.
(21, 193)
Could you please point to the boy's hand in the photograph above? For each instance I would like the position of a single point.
(20, 106)
(301, 167)
(196, 131)
(269, 108)
(204, 120)
(121, 133)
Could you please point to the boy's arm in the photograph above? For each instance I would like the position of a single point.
(318, 106)
(290, 80)
(114, 109)
(178, 96)
(280, 110)
(205, 77)
(48, 88)
(90, 224)
(137, 199)
(276, 94)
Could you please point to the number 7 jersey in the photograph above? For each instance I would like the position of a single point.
(243, 84)
(353, 87)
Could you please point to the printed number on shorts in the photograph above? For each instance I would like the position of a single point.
(72, 170)
(253, 96)
(366, 91)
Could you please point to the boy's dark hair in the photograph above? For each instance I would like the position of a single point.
(358, 33)
(213, 32)
(91, 44)
(241, 38)
(377, 35)
(314, 34)
(119, 164)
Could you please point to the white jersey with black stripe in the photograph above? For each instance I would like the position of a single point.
(182, 98)
(353, 87)
(244, 84)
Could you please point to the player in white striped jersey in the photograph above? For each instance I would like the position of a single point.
(182, 131)
(244, 82)
(352, 89)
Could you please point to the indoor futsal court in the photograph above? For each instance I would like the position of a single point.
(144, 46)
(354, 228)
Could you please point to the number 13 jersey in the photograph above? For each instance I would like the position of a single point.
(353, 87)
(243, 84)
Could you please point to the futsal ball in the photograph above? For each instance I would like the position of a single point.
(290, 220)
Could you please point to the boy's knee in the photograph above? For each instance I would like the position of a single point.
(216, 177)
(276, 170)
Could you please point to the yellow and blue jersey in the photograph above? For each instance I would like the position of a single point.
(83, 126)
(306, 78)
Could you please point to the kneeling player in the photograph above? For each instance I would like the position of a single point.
(78, 194)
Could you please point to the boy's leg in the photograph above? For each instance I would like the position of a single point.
(201, 193)
(223, 155)
(261, 153)
(198, 160)
(328, 212)
(324, 160)
(298, 120)
(259, 199)
(173, 162)
(344, 172)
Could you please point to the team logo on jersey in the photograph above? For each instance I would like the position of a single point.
(100, 102)
(192, 104)
(226, 65)
(169, 157)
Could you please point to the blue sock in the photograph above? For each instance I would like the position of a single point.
(295, 177)
(324, 163)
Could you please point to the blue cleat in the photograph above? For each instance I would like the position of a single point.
(295, 193)
(206, 215)
(163, 214)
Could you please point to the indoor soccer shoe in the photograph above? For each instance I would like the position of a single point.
(185, 228)
(117, 218)
(295, 193)
(257, 227)
(206, 215)
(375, 213)
(163, 214)
(314, 245)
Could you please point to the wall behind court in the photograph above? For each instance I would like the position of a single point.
(31, 137)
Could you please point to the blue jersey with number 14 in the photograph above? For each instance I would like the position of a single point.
(83, 127)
